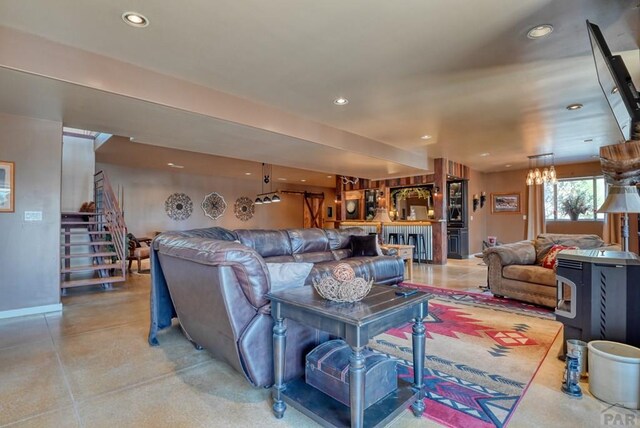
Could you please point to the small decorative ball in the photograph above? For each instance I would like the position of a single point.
(343, 272)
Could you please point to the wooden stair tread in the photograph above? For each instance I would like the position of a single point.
(90, 267)
(71, 223)
(92, 281)
(71, 244)
(87, 232)
(78, 255)
(74, 213)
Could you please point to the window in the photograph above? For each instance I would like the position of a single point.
(574, 199)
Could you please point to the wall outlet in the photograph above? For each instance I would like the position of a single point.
(524, 217)
(33, 216)
(471, 218)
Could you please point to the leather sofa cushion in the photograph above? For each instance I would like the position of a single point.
(530, 273)
(341, 254)
(545, 241)
(308, 240)
(316, 257)
(341, 238)
(279, 259)
(384, 266)
(267, 243)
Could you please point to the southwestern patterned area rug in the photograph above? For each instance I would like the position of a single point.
(481, 355)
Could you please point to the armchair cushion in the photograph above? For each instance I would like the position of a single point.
(533, 274)
(545, 241)
(517, 253)
(550, 260)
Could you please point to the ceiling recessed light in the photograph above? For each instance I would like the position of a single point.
(173, 165)
(303, 180)
(484, 155)
(341, 101)
(329, 176)
(247, 173)
(425, 137)
(282, 179)
(135, 19)
(576, 106)
(508, 165)
(540, 31)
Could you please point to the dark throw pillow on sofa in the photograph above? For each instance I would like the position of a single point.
(364, 246)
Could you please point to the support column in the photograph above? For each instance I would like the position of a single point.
(440, 240)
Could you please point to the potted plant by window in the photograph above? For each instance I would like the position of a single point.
(574, 205)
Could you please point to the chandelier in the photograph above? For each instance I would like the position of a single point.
(271, 196)
(347, 180)
(547, 175)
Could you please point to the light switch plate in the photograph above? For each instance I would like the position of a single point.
(33, 216)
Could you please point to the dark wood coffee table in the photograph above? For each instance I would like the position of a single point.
(356, 323)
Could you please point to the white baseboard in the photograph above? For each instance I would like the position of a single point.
(31, 311)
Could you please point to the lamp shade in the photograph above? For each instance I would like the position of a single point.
(382, 216)
(621, 199)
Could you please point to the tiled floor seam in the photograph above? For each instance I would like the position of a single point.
(67, 384)
(110, 327)
(37, 415)
(141, 383)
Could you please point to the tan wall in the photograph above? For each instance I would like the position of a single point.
(146, 190)
(30, 251)
(512, 227)
(78, 165)
(589, 227)
(477, 219)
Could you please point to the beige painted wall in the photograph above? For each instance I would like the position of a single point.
(146, 190)
(477, 219)
(30, 251)
(78, 166)
(512, 227)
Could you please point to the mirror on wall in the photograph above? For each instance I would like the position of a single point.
(412, 203)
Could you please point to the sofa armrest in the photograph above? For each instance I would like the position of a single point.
(517, 253)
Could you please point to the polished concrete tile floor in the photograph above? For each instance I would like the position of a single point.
(90, 366)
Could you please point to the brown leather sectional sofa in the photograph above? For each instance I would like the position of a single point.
(217, 288)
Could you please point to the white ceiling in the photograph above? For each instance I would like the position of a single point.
(461, 70)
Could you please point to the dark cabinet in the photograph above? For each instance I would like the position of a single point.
(458, 242)
(457, 203)
(457, 220)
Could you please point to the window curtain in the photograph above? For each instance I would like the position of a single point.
(611, 231)
(535, 211)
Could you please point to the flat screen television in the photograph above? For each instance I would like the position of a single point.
(616, 84)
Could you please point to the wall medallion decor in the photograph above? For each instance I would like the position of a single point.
(178, 206)
(244, 208)
(214, 205)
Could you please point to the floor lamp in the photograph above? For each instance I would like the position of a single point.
(624, 200)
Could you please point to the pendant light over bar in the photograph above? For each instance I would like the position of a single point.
(270, 196)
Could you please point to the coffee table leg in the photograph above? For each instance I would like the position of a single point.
(418, 365)
(356, 386)
(279, 342)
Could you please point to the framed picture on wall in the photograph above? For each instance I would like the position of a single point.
(7, 187)
(352, 209)
(505, 203)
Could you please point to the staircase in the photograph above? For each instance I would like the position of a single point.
(103, 233)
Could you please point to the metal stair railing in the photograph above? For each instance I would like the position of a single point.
(112, 217)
